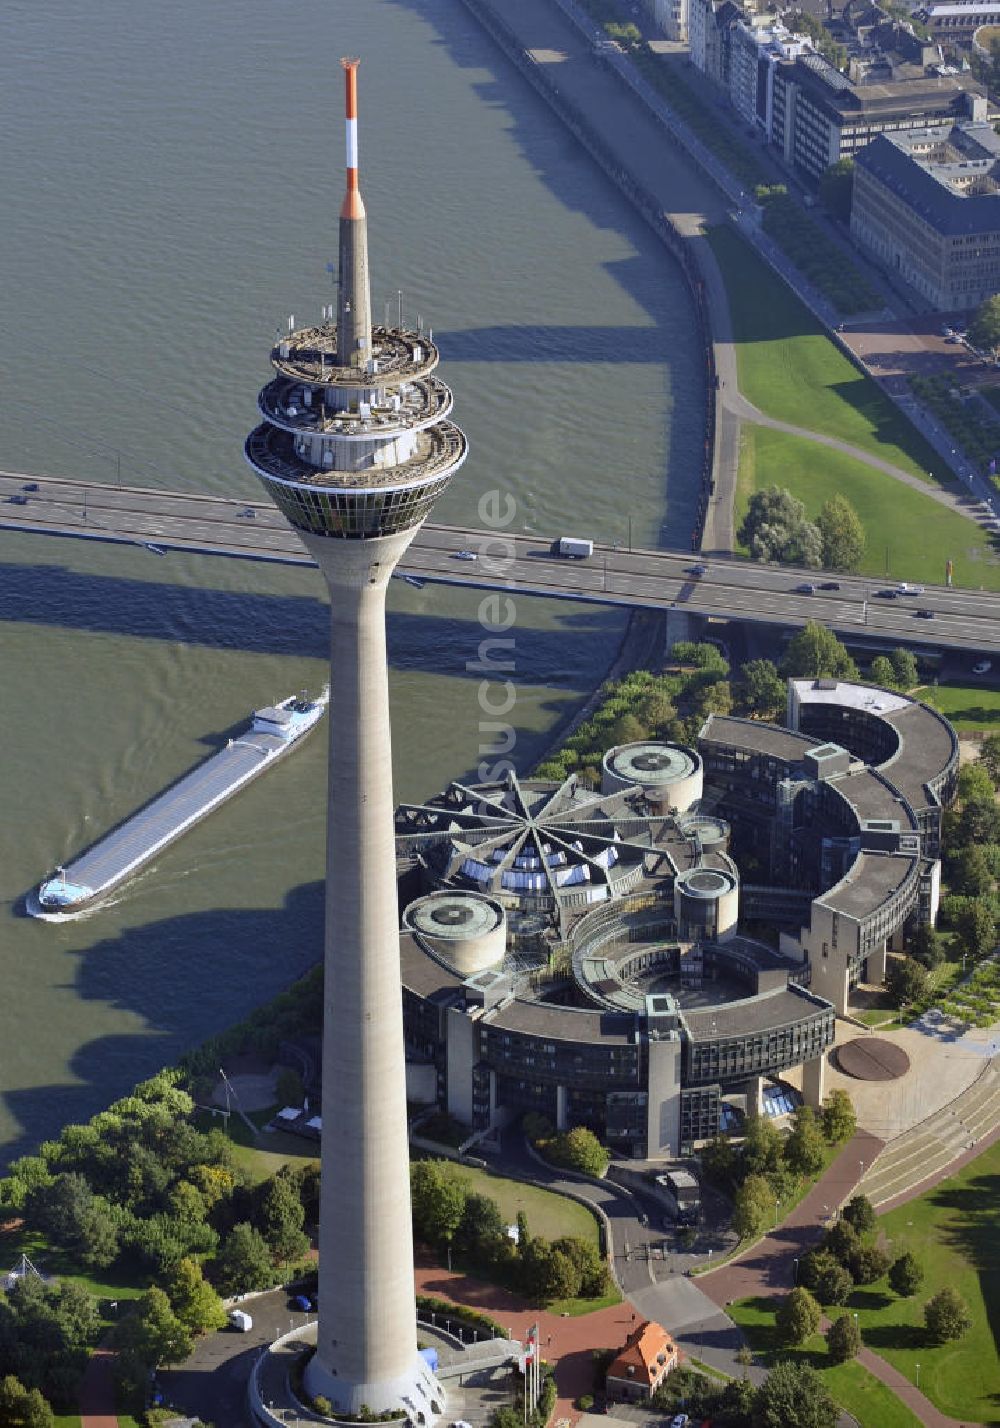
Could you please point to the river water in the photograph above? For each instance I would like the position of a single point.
(169, 179)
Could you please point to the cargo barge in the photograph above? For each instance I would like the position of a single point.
(77, 887)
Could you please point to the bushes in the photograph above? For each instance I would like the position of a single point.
(577, 1149)
(817, 257)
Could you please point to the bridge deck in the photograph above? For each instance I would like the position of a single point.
(731, 588)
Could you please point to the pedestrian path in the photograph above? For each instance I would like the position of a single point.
(933, 1147)
(97, 1391)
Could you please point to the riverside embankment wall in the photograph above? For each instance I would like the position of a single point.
(645, 203)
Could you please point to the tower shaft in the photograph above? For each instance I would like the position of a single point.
(367, 1330)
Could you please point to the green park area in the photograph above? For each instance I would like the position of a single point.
(952, 1231)
(968, 707)
(548, 1215)
(909, 535)
(791, 370)
(849, 1384)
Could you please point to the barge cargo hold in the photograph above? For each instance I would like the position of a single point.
(77, 887)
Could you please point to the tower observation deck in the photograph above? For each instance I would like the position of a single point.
(354, 448)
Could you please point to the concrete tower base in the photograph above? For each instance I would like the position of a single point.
(419, 1386)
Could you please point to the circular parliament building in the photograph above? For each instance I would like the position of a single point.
(595, 955)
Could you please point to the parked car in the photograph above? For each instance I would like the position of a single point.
(466, 555)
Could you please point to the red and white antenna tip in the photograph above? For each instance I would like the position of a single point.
(352, 206)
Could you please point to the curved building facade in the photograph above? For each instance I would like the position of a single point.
(638, 1005)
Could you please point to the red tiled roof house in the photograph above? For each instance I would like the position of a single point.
(648, 1355)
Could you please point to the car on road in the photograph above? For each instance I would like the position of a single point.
(805, 588)
(680, 1420)
(903, 589)
(17, 499)
(466, 555)
(697, 570)
(301, 1302)
(947, 332)
(30, 486)
(983, 667)
(925, 614)
(886, 594)
(830, 585)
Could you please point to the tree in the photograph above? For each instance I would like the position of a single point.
(973, 875)
(816, 653)
(868, 1264)
(579, 1150)
(719, 1161)
(860, 1213)
(761, 1153)
(592, 1271)
(905, 1275)
(841, 1240)
(843, 1339)
(946, 1316)
(836, 189)
(977, 928)
(804, 1149)
(244, 1261)
(281, 1216)
(753, 1206)
(905, 980)
(984, 329)
(793, 1396)
(193, 1299)
(839, 1120)
(775, 528)
(151, 1335)
(905, 667)
(975, 785)
(762, 690)
(798, 1316)
(437, 1197)
(833, 1282)
(989, 757)
(927, 946)
(842, 534)
(881, 672)
(22, 1407)
(482, 1235)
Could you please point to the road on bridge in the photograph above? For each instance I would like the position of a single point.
(727, 588)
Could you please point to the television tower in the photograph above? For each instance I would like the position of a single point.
(354, 449)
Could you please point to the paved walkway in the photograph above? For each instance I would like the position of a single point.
(97, 1391)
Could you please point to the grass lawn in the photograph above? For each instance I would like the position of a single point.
(574, 1308)
(918, 532)
(791, 370)
(72, 1420)
(270, 1151)
(952, 1230)
(113, 1283)
(966, 706)
(853, 1387)
(549, 1215)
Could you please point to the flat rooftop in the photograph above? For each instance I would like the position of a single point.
(872, 880)
(753, 1014)
(757, 737)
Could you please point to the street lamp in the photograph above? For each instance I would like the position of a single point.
(777, 1205)
(917, 1382)
(795, 1271)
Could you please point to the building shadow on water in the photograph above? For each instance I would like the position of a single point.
(282, 624)
(185, 978)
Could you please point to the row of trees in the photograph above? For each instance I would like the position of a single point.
(470, 1227)
(776, 528)
(791, 1396)
(766, 1167)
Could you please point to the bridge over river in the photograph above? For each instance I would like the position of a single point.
(522, 563)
